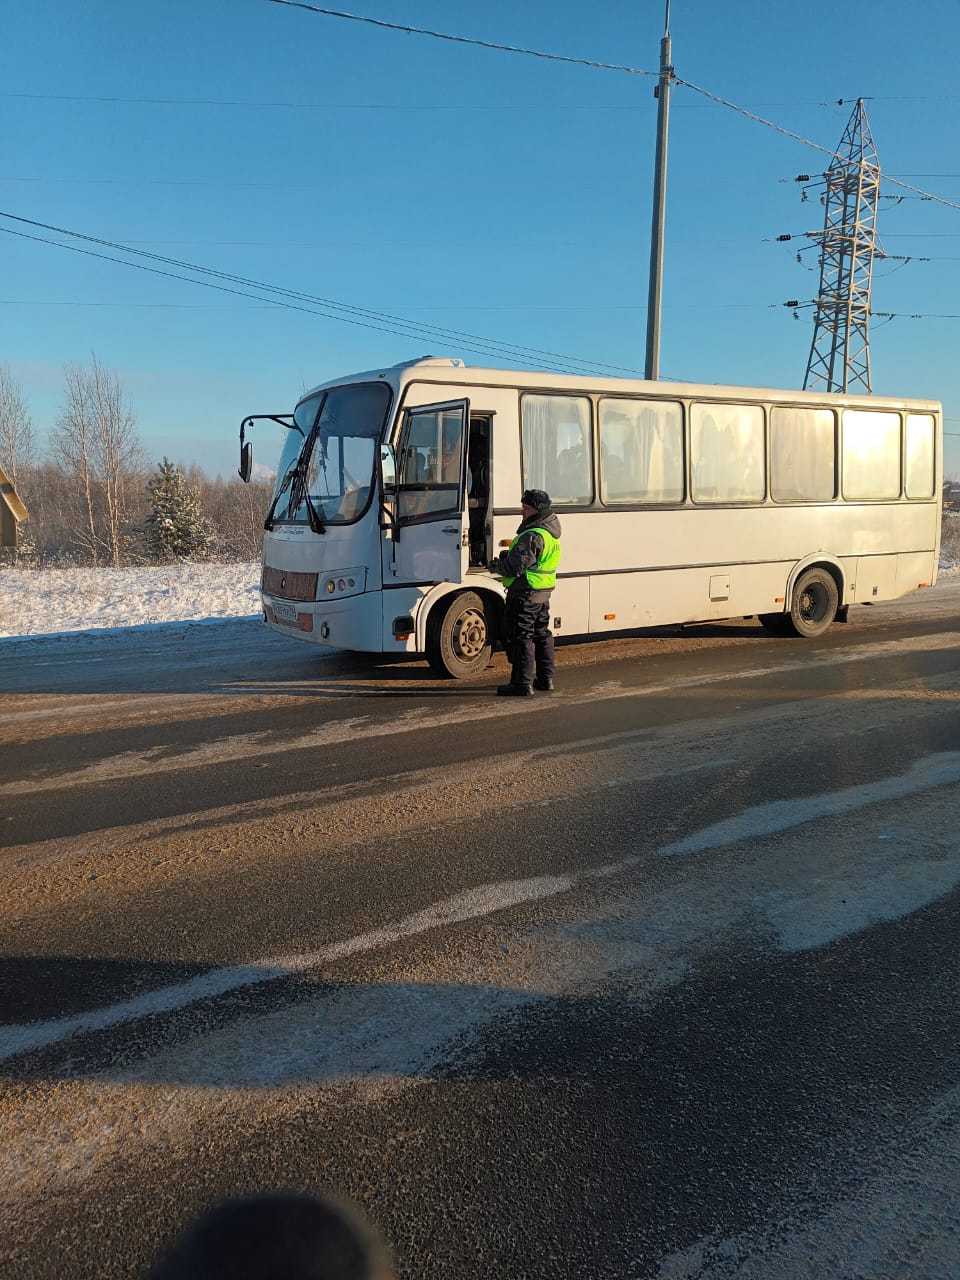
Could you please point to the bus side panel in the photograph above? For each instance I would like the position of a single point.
(657, 598)
(913, 571)
(685, 537)
(876, 578)
(570, 607)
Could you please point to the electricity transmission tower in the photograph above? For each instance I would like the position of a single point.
(840, 352)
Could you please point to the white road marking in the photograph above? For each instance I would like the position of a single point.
(780, 815)
(930, 773)
(470, 905)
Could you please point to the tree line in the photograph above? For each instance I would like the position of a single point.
(94, 498)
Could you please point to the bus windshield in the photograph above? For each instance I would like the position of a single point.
(326, 471)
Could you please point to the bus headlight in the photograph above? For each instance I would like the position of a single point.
(345, 582)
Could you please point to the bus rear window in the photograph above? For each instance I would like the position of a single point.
(921, 455)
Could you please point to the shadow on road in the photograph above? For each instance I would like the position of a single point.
(760, 1079)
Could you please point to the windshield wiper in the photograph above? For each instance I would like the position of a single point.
(296, 481)
(299, 493)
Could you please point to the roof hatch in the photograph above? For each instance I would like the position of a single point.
(451, 362)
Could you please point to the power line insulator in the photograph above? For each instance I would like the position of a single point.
(794, 302)
(781, 239)
(802, 177)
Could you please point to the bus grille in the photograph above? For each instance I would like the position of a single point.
(288, 586)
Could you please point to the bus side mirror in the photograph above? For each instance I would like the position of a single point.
(388, 470)
(246, 461)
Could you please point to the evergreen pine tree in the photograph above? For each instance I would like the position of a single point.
(175, 529)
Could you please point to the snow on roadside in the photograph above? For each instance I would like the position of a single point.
(54, 601)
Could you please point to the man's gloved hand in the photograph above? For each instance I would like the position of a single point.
(494, 567)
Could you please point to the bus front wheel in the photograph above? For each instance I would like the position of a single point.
(459, 641)
(814, 603)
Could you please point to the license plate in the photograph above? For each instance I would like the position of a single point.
(284, 612)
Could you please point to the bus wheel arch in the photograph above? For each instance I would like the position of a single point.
(462, 629)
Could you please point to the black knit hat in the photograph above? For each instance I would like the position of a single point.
(536, 498)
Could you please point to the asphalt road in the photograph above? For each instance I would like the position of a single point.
(656, 976)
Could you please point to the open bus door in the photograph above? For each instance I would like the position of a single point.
(430, 542)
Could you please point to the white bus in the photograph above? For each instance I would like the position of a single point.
(679, 504)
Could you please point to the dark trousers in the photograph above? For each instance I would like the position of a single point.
(528, 640)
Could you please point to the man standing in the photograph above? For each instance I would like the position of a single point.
(529, 571)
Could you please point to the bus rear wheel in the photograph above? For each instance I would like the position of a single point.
(459, 643)
(814, 603)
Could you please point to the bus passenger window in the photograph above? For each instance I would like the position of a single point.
(557, 447)
(803, 454)
(727, 453)
(871, 454)
(641, 451)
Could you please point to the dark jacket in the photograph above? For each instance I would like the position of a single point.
(525, 553)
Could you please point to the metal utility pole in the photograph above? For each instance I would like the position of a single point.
(840, 352)
(652, 367)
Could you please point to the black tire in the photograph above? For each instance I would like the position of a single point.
(814, 603)
(778, 624)
(459, 637)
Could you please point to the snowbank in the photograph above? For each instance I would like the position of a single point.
(53, 601)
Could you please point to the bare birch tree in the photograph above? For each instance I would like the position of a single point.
(97, 444)
(236, 512)
(17, 446)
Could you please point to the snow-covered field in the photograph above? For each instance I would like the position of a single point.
(53, 601)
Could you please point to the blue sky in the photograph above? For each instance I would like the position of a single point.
(485, 192)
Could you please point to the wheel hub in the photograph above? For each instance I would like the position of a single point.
(811, 606)
(470, 635)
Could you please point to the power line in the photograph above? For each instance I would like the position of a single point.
(364, 317)
(444, 106)
(190, 182)
(598, 306)
(170, 306)
(330, 106)
(603, 66)
(796, 305)
(276, 302)
(481, 44)
(504, 48)
(916, 315)
(387, 322)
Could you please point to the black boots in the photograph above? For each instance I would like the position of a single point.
(543, 683)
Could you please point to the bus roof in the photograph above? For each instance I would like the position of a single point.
(442, 369)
